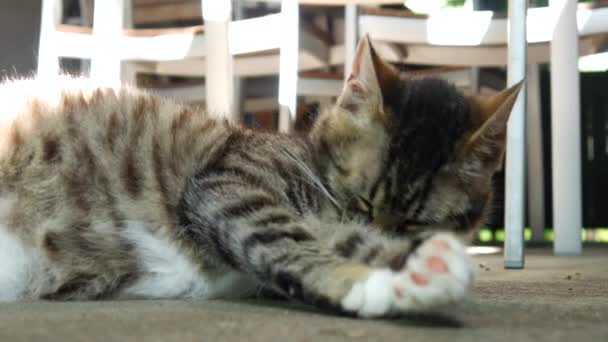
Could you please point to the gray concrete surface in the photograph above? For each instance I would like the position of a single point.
(553, 299)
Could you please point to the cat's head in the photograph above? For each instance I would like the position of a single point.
(412, 154)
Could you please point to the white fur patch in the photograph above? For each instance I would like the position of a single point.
(372, 297)
(16, 261)
(387, 292)
(16, 267)
(169, 273)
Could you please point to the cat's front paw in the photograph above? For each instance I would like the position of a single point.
(438, 273)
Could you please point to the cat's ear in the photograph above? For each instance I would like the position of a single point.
(490, 115)
(370, 76)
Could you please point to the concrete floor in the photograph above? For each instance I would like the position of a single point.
(553, 299)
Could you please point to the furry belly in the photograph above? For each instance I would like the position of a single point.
(17, 267)
(168, 273)
(18, 263)
(165, 271)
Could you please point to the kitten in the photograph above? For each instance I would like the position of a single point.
(116, 194)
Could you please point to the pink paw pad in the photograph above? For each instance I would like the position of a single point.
(436, 264)
(419, 279)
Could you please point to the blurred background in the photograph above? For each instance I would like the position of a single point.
(166, 46)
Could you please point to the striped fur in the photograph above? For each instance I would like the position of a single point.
(114, 193)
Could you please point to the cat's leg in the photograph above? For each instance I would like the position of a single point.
(431, 275)
(414, 273)
(252, 232)
(370, 246)
(407, 255)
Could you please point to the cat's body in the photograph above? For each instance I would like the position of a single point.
(107, 186)
(118, 194)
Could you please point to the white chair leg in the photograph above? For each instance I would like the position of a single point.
(288, 69)
(566, 131)
(219, 75)
(110, 18)
(239, 99)
(351, 36)
(128, 73)
(516, 134)
(536, 179)
(48, 60)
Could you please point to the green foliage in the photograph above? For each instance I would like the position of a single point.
(497, 5)
(599, 234)
(455, 3)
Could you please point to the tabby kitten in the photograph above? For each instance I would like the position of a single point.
(114, 193)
